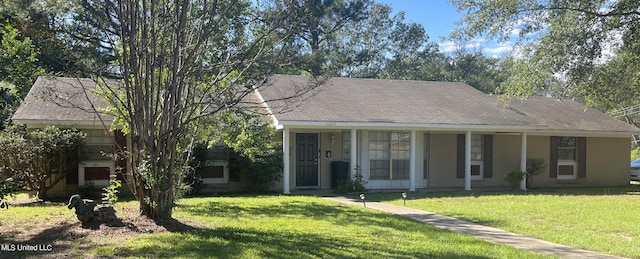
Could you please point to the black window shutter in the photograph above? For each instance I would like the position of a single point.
(582, 157)
(488, 156)
(460, 156)
(553, 157)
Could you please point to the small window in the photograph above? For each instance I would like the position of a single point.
(426, 156)
(98, 145)
(476, 147)
(219, 152)
(346, 146)
(567, 148)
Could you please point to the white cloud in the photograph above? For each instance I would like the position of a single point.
(447, 47)
(452, 46)
(500, 49)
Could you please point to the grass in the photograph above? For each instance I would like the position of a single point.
(598, 219)
(271, 227)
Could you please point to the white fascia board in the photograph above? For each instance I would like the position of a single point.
(584, 133)
(532, 130)
(402, 126)
(269, 111)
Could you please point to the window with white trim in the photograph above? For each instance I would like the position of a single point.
(346, 146)
(98, 144)
(389, 155)
(567, 158)
(426, 156)
(477, 157)
(567, 148)
(476, 147)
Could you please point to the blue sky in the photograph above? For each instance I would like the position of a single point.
(439, 18)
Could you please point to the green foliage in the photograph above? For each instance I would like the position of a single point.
(352, 185)
(535, 166)
(514, 178)
(635, 154)
(318, 47)
(110, 192)
(18, 70)
(6, 189)
(594, 66)
(18, 60)
(261, 172)
(39, 159)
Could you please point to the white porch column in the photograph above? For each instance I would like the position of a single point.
(412, 163)
(467, 161)
(354, 154)
(286, 151)
(523, 159)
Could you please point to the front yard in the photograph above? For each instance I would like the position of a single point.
(606, 220)
(242, 227)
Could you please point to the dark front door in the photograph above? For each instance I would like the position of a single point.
(306, 159)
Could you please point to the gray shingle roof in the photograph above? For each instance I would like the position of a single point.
(427, 103)
(351, 100)
(568, 115)
(62, 99)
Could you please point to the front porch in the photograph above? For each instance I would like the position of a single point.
(392, 159)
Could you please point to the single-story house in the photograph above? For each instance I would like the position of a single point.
(420, 134)
(397, 134)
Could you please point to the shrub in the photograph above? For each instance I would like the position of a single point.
(535, 166)
(263, 171)
(6, 189)
(38, 160)
(110, 192)
(514, 178)
(354, 185)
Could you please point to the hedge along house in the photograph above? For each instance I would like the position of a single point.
(417, 134)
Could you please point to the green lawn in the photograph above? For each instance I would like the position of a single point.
(271, 227)
(606, 220)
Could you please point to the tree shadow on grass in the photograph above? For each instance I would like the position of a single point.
(282, 243)
(229, 242)
(334, 213)
(176, 226)
(44, 242)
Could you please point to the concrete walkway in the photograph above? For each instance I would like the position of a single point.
(487, 233)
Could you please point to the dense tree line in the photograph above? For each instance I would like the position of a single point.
(185, 66)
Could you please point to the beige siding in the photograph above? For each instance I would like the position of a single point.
(506, 158)
(608, 161)
(442, 161)
(538, 148)
(336, 155)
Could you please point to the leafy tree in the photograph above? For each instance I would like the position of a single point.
(185, 63)
(64, 48)
(482, 72)
(567, 38)
(614, 85)
(18, 70)
(40, 159)
(318, 42)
